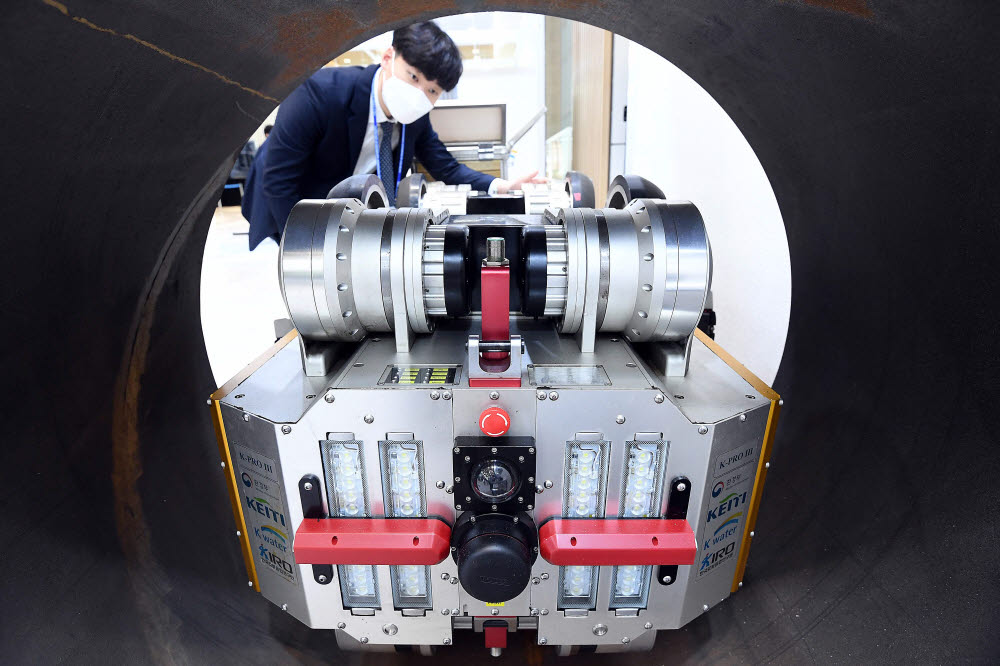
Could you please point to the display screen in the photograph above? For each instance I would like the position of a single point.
(420, 374)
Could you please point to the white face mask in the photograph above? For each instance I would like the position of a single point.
(406, 103)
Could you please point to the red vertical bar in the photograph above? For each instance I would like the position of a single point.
(495, 290)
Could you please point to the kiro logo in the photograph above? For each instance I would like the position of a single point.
(275, 561)
(710, 561)
(262, 507)
(726, 505)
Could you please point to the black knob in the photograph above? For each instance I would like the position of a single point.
(494, 552)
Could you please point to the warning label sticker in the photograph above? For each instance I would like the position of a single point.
(267, 524)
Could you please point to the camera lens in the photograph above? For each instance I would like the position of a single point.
(494, 481)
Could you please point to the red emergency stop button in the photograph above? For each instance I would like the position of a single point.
(494, 421)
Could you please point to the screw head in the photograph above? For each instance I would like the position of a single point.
(767, 465)
(454, 611)
(341, 625)
(390, 629)
(493, 507)
(369, 418)
(439, 485)
(364, 640)
(620, 419)
(667, 580)
(284, 607)
(531, 449)
(222, 464)
(536, 580)
(445, 576)
(454, 581)
(468, 499)
(329, 397)
(625, 640)
(446, 395)
(458, 506)
(493, 449)
(740, 584)
(600, 629)
(435, 395)
(752, 534)
(658, 398)
(544, 576)
(681, 487)
(520, 499)
(285, 429)
(539, 490)
(548, 484)
(702, 430)
(449, 490)
(468, 458)
(543, 640)
(743, 417)
(540, 395)
(529, 507)
(494, 395)
(553, 395)
(238, 533)
(246, 417)
(705, 607)
(534, 611)
(648, 625)
(444, 611)
(321, 578)
(249, 583)
(456, 449)
(307, 486)
(494, 611)
(544, 611)
(447, 641)
(521, 460)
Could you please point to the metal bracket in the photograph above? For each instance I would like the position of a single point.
(511, 376)
(677, 507)
(669, 359)
(318, 358)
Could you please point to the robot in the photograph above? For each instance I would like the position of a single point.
(495, 422)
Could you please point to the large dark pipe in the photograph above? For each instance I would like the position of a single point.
(875, 121)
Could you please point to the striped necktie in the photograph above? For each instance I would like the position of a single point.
(385, 161)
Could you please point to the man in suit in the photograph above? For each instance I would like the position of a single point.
(346, 121)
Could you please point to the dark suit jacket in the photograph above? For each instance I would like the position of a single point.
(315, 144)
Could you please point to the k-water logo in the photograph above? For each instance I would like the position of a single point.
(272, 537)
(724, 531)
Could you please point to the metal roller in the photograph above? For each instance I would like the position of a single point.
(625, 188)
(366, 188)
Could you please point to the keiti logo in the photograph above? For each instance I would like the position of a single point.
(247, 481)
(726, 505)
(723, 531)
(262, 507)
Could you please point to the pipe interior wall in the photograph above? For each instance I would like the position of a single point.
(875, 121)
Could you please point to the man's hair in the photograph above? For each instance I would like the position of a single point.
(428, 48)
(267, 129)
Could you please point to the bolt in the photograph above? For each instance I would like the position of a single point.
(705, 607)
(445, 576)
(468, 499)
(493, 507)
(529, 507)
(458, 479)
(743, 417)
(454, 611)
(284, 607)
(553, 395)
(658, 398)
(444, 611)
(449, 490)
(238, 533)
(740, 584)
(752, 534)
(619, 419)
(454, 581)
(447, 641)
(625, 640)
(446, 395)
(439, 485)
(493, 450)
(521, 460)
(329, 397)
(545, 611)
(321, 578)
(600, 629)
(515, 520)
(543, 640)
(539, 490)
(520, 499)
(285, 429)
(435, 395)
(536, 580)
(459, 507)
(681, 487)
(472, 519)
(703, 430)
(648, 625)
(767, 465)
(495, 611)
(246, 417)
(494, 395)
(540, 395)
(222, 464)
(249, 583)
(531, 450)
(545, 576)
(369, 418)
(364, 640)
(468, 458)
(548, 484)
(390, 629)
(667, 580)
(341, 625)
(456, 449)
(307, 486)
(781, 403)
(534, 611)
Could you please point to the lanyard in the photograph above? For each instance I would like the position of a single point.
(402, 144)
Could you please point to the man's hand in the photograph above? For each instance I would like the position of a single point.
(505, 186)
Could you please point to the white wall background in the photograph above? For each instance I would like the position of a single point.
(678, 137)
